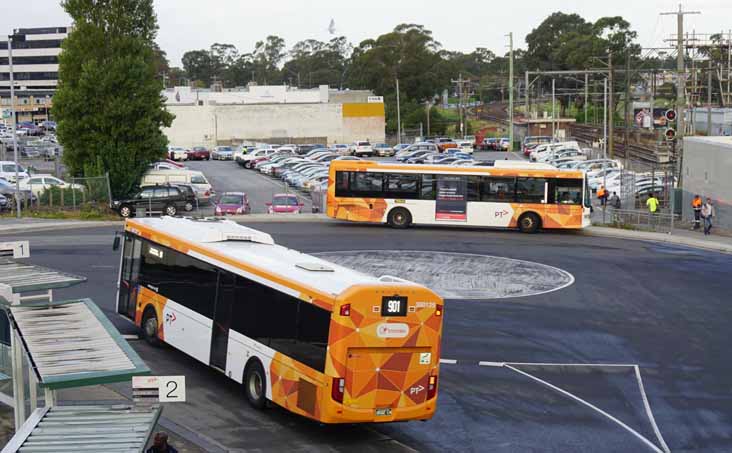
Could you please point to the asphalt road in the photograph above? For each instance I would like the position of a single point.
(663, 308)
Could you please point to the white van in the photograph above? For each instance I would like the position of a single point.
(204, 190)
(7, 171)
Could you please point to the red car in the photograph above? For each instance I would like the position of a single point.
(199, 153)
(233, 203)
(284, 203)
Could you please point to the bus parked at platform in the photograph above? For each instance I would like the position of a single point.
(320, 340)
(506, 194)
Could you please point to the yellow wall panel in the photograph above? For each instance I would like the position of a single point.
(363, 110)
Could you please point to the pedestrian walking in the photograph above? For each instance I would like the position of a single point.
(615, 201)
(652, 203)
(602, 195)
(696, 205)
(161, 445)
(708, 213)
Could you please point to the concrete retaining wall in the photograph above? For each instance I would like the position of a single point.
(706, 171)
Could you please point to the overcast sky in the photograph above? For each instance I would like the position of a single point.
(195, 24)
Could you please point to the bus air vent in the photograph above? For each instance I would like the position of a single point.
(314, 267)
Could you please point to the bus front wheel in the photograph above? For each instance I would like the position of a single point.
(255, 384)
(399, 218)
(529, 223)
(150, 327)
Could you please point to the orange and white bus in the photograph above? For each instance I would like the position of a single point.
(508, 194)
(318, 339)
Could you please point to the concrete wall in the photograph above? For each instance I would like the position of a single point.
(211, 124)
(706, 171)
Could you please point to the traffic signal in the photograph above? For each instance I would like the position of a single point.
(670, 134)
(671, 115)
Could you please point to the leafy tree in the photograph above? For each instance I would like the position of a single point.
(198, 65)
(318, 63)
(267, 57)
(108, 105)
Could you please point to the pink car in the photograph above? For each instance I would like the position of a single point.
(284, 203)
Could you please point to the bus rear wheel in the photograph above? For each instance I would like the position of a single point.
(255, 384)
(529, 223)
(399, 218)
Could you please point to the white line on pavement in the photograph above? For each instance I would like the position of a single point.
(649, 413)
(448, 361)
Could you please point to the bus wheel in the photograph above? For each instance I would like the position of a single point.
(399, 218)
(255, 384)
(529, 223)
(150, 327)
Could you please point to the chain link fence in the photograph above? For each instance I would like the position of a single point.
(47, 193)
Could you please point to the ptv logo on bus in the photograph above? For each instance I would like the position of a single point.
(170, 318)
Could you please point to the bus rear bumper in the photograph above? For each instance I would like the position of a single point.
(343, 414)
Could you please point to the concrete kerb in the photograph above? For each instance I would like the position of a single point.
(704, 244)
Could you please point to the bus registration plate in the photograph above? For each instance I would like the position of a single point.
(383, 412)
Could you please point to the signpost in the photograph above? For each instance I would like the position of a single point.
(164, 389)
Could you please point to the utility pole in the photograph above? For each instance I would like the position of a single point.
(15, 126)
(554, 110)
(628, 122)
(709, 98)
(652, 100)
(510, 92)
(399, 115)
(611, 105)
(604, 119)
(429, 107)
(526, 96)
(461, 91)
(587, 89)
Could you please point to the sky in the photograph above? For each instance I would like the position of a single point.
(195, 24)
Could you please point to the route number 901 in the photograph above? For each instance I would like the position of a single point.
(393, 306)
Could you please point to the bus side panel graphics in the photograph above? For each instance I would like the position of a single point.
(562, 216)
(296, 387)
(451, 201)
(187, 330)
(361, 209)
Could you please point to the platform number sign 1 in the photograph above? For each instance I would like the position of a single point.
(393, 306)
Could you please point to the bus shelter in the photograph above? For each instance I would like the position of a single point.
(54, 344)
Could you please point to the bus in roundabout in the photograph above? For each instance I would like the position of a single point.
(323, 341)
(507, 194)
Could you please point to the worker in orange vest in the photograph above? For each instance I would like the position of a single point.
(696, 205)
(602, 195)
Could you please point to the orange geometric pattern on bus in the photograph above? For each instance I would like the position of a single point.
(375, 377)
(285, 377)
(147, 297)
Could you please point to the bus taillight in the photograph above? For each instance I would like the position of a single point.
(438, 310)
(432, 387)
(338, 388)
(345, 310)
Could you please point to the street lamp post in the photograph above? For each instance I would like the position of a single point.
(15, 126)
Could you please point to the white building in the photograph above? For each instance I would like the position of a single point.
(35, 58)
(274, 114)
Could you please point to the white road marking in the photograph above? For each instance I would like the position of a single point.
(130, 337)
(650, 444)
(448, 361)
(649, 413)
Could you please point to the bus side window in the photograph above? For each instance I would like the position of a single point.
(427, 189)
(342, 186)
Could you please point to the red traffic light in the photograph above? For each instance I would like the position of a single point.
(670, 134)
(671, 115)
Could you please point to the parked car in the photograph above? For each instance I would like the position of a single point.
(39, 182)
(190, 193)
(199, 153)
(532, 141)
(232, 203)
(362, 148)
(444, 143)
(166, 165)
(465, 146)
(284, 203)
(4, 204)
(168, 200)
(222, 153)
(8, 190)
(247, 160)
(413, 155)
(400, 147)
(49, 126)
(338, 148)
(7, 171)
(383, 150)
(196, 179)
(30, 128)
(177, 153)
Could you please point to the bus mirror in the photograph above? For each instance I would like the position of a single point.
(115, 244)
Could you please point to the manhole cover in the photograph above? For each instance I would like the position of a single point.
(458, 275)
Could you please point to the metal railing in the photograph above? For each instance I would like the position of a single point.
(638, 219)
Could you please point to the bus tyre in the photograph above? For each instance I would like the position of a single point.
(255, 384)
(171, 210)
(399, 218)
(125, 211)
(529, 223)
(150, 327)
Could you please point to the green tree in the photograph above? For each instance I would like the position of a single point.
(198, 65)
(108, 105)
(318, 63)
(267, 57)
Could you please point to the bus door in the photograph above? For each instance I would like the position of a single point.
(222, 319)
(129, 276)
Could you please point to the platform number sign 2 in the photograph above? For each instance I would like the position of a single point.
(393, 306)
(172, 389)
